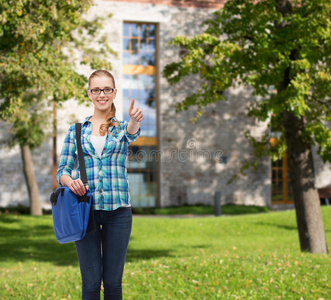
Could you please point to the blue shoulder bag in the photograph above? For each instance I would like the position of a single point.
(73, 215)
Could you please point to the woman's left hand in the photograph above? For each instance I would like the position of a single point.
(135, 114)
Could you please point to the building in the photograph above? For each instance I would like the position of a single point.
(174, 162)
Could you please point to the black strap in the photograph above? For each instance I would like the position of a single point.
(81, 161)
(83, 177)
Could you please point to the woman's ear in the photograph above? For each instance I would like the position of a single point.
(89, 94)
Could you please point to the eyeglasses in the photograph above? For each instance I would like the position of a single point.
(98, 91)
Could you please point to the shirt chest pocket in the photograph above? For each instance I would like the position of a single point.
(114, 145)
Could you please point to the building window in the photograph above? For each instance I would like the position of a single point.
(141, 87)
(139, 44)
(139, 82)
(281, 189)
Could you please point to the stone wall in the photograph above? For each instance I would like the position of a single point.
(181, 3)
(220, 130)
(13, 190)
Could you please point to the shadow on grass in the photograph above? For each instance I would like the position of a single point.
(38, 244)
(33, 239)
(284, 226)
(199, 246)
(7, 220)
(277, 225)
(27, 238)
(146, 254)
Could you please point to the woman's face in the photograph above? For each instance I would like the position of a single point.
(102, 101)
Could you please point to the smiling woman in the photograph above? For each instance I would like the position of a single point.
(105, 140)
(102, 92)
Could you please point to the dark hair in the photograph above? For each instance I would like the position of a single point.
(105, 126)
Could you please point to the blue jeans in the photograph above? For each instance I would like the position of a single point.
(101, 254)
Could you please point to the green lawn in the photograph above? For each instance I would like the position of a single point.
(240, 257)
(228, 209)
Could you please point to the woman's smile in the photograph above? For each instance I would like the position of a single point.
(102, 101)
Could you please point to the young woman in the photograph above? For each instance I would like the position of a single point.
(101, 254)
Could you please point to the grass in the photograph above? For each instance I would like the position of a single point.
(240, 257)
(228, 209)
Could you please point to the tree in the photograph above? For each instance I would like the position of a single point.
(271, 45)
(39, 42)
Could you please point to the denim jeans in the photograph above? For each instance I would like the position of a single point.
(101, 254)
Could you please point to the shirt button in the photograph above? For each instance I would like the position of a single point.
(100, 180)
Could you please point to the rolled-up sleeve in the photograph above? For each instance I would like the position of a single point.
(130, 137)
(68, 155)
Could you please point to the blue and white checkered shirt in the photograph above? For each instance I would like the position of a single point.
(107, 175)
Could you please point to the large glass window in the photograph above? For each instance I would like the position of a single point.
(142, 171)
(139, 44)
(139, 82)
(142, 88)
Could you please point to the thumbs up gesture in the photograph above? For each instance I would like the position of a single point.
(136, 115)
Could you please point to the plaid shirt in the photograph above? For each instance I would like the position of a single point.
(107, 175)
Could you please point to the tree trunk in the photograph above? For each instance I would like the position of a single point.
(302, 175)
(301, 165)
(35, 205)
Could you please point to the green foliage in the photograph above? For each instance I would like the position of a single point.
(250, 43)
(240, 257)
(39, 42)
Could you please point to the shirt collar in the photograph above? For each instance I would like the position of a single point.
(87, 119)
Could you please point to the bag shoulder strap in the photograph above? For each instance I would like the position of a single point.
(81, 161)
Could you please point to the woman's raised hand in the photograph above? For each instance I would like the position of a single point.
(136, 115)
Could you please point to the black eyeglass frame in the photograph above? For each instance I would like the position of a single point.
(103, 90)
